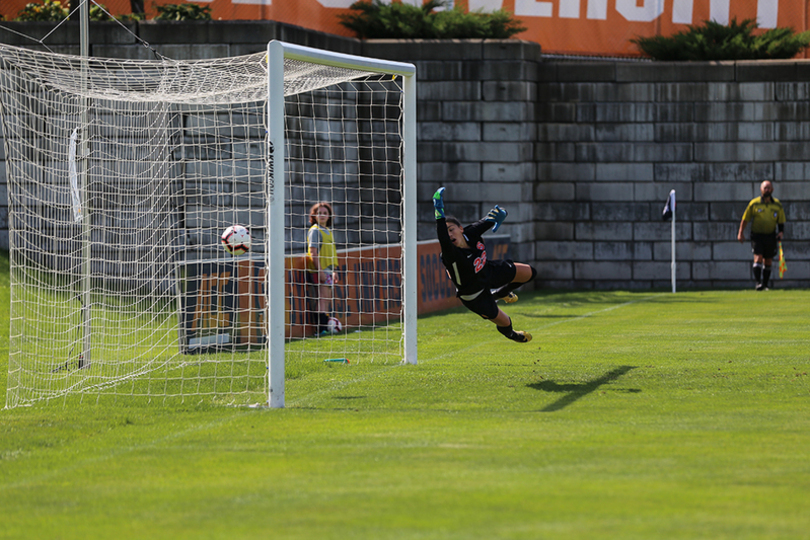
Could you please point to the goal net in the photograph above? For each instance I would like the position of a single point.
(123, 176)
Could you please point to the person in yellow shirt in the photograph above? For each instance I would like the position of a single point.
(322, 262)
(767, 219)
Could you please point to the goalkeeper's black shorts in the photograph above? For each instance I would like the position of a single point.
(483, 303)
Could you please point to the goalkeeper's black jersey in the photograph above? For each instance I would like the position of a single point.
(467, 268)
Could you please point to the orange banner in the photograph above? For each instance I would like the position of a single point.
(436, 291)
(223, 300)
(368, 289)
(593, 27)
(606, 28)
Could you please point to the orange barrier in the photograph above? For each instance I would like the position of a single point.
(598, 27)
(606, 28)
(223, 301)
(368, 290)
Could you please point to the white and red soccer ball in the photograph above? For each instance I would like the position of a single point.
(334, 325)
(236, 240)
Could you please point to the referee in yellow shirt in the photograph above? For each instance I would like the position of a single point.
(767, 218)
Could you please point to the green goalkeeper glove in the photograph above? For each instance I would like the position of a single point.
(497, 216)
(438, 203)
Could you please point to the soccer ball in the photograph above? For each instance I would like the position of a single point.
(333, 325)
(236, 240)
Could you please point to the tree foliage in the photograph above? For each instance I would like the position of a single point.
(55, 10)
(372, 19)
(714, 41)
(183, 12)
(48, 10)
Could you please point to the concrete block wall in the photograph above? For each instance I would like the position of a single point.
(476, 109)
(615, 137)
(584, 154)
(581, 153)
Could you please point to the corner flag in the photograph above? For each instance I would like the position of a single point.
(669, 214)
(782, 264)
(669, 207)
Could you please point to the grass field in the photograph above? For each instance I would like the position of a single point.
(638, 415)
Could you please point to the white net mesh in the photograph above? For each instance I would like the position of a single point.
(123, 176)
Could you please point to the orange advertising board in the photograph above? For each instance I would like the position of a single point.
(605, 28)
(598, 27)
(223, 300)
(368, 289)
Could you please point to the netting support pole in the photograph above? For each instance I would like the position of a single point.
(84, 46)
(274, 254)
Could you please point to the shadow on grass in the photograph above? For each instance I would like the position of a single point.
(574, 392)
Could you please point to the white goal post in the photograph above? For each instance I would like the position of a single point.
(278, 54)
(122, 176)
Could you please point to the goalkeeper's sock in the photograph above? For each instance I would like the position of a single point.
(507, 289)
(501, 292)
(508, 331)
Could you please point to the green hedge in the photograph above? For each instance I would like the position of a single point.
(376, 20)
(714, 41)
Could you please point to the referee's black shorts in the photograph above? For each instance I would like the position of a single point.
(764, 244)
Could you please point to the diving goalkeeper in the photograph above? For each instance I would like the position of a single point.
(480, 282)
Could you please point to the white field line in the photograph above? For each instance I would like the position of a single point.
(604, 310)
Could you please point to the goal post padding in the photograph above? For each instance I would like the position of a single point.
(122, 172)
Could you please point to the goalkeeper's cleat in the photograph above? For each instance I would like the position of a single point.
(510, 298)
(521, 337)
